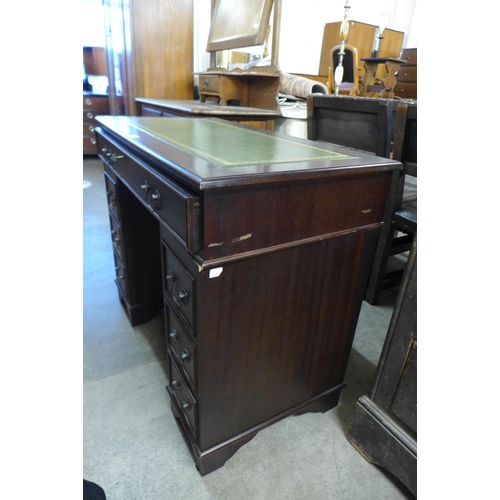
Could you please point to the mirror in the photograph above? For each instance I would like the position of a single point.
(238, 23)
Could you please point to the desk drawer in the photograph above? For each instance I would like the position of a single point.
(111, 194)
(173, 204)
(179, 286)
(209, 83)
(184, 399)
(181, 347)
(116, 236)
(121, 276)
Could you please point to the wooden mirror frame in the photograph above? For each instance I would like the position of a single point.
(251, 31)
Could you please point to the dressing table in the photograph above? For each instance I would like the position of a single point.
(257, 246)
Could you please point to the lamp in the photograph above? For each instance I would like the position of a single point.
(383, 22)
(344, 32)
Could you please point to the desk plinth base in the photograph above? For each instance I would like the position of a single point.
(138, 314)
(216, 457)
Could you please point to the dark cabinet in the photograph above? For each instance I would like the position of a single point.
(384, 426)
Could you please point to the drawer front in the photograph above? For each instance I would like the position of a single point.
(111, 194)
(177, 207)
(89, 127)
(407, 74)
(181, 347)
(96, 103)
(186, 402)
(209, 83)
(408, 90)
(116, 236)
(89, 141)
(121, 276)
(409, 55)
(89, 115)
(179, 286)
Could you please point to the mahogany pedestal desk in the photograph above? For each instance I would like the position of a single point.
(258, 246)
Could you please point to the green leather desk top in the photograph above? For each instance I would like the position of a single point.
(224, 145)
(207, 153)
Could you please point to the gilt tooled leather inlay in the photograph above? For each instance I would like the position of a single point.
(227, 146)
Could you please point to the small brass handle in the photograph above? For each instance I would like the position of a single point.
(183, 296)
(88, 102)
(186, 405)
(176, 385)
(173, 335)
(185, 355)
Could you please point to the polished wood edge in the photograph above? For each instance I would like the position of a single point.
(276, 248)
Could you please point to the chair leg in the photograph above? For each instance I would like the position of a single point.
(382, 253)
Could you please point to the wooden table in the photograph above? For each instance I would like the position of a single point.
(254, 117)
(258, 246)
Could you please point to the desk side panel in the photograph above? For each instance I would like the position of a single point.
(277, 332)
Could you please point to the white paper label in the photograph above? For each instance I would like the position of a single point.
(215, 272)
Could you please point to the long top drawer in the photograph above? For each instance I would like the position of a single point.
(168, 200)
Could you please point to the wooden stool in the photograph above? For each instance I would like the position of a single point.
(386, 90)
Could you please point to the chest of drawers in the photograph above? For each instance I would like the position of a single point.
(258, 247)
(406, 86)
(93, 105)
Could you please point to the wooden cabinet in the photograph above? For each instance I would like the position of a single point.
(93, 105)
(150, 49)
(258, 246)
(384, 426)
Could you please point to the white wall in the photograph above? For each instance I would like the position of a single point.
(303, 22)
(93, 23)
